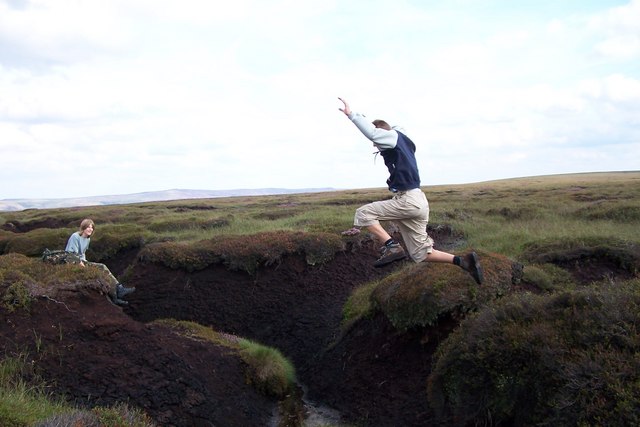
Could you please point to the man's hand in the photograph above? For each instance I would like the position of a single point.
(346, 110)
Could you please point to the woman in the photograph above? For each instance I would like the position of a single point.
(78, 244)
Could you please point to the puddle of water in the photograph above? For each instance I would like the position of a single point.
(316, 415)
(319, 415)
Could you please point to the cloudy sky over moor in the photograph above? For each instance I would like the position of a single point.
(116, 97)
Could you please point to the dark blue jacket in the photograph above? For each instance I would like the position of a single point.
(402, 165)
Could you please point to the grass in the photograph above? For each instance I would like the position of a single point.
(22, 279)
(566, 359)
(244, 253)
(23, 403)
(498, 216)
(516, 358)
(268, 370)
(27, 403)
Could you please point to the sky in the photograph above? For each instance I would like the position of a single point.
(108, 97)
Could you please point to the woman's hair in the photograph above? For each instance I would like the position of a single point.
(86, 223)
(381, 124)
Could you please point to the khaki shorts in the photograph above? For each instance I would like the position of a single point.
(410, 210)
(112, 278)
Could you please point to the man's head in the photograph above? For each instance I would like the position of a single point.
(381, 124)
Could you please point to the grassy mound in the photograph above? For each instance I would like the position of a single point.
(570, 358)
(420, 294)
(244, 252)
(22, 279)
(107, 242)
(267, 369)
(624, 254)
(27, 403)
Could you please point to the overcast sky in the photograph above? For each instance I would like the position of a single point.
(125, 96)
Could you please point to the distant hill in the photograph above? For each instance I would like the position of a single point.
(151, 196)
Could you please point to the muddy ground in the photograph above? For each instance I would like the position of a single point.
(95, 353)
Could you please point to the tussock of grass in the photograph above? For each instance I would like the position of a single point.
(119, 415)
(420, 294)
(611, 211)
(624, 254)
(569, 358)
(271, 373)
(108, 240)
(22, 279)
(111, 239)
(179, 224)
(244, 253)
(359, 304)
(548, 277)
(34, 242)
(268, 370)
(25, 403)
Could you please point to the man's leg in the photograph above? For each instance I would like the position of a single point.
(469, 262)
(439, 256)
(369, 216)
(117, 290)
(379, 232)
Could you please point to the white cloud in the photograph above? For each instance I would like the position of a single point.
(146, 95)
(621, 29)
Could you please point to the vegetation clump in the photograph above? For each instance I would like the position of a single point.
(420, 294)
(27, 403)
(22, 279)
(268, 370)
(570, 358)
(618, 212)
(547, 277)
(244, 253)
(17, 296)
(624, 254)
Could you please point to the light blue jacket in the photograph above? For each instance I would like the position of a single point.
(78, 245)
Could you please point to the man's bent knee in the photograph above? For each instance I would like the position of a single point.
(364, 217)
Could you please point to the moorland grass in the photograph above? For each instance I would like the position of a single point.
(571, 347)
(268, 370)
(498, 216)
(23, 279)
(570, 358)
(244, 253)
(28, 403)
(420, 295)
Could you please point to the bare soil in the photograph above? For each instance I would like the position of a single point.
(95, 353)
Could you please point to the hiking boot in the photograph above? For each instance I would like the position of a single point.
(390, 253)
(471, 264)
(122, 291)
